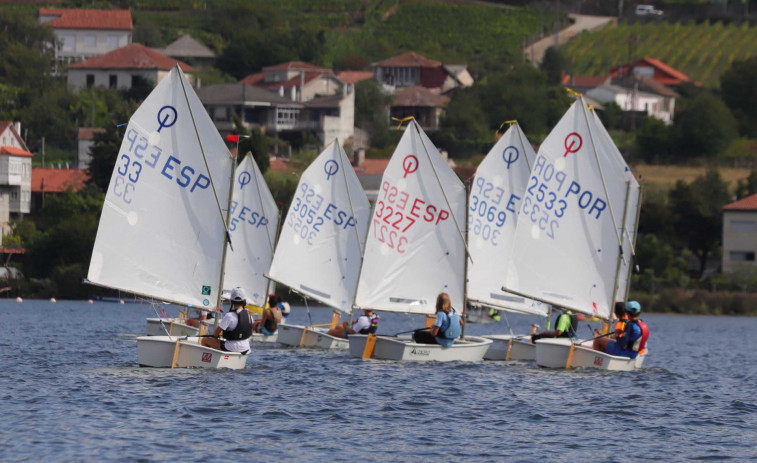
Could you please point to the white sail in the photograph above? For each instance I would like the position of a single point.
(415, 247)
(621, 170)
(320, 248)
(567, 240)
(162, 229)
(493, 206)
(253, 224)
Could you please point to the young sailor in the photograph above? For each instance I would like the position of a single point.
(235, 327)
(272, 316)
(446, 328)
(600, 343)
(365, 324)
(565, 327)
(633, 340)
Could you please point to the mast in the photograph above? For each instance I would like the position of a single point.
(465, 263)
(616, 288)
(215, 193)
(632, 259)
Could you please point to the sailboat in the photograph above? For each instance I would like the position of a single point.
(163, 233)
(320, 249)
(252, 226)
(415, 249)
(493, 205)
(573, 241)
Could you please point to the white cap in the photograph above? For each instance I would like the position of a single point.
(238, 295)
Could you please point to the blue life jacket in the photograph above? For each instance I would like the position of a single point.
(451, 328)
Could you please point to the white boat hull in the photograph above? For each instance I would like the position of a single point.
(398, 349)
(291, 335)
(158, 352)
(521, 349)
(553, 353)
(260, 337)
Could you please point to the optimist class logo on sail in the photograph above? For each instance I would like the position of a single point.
(137, 152)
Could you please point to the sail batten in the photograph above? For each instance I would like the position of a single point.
(319, 253)
(160, 233)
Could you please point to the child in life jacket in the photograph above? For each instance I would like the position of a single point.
(365, 324)
(634, 338)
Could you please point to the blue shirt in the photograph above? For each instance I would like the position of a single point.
(442, 321)
(623, 347)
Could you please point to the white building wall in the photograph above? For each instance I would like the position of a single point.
(79, 44)
(739, 239)
(341, 127)
(77, 78)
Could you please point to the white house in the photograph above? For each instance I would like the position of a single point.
(86, 138)
(120, 68)
(82, 34)
(15, 174)
(638, 93)
(299, 82)
(740, 233)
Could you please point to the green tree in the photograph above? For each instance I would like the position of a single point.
(611, 115)
(654, 141)
(706, 127)
(747, 186)
(555, 64)
(104, 151)
(518, 93)
(463, 117)
(739, 92)
(371, 112)
(697, 214)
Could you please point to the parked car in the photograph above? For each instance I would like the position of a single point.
(647, 10)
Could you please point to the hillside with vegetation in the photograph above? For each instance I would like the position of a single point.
(702, 51)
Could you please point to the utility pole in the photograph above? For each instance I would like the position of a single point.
(43, 152)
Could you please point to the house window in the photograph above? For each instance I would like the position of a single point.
(90, 80)
(743, 226)
(90, 41)
(67, 42)
(14, 195)
(742, 256)
(112, 42)
(112, 81)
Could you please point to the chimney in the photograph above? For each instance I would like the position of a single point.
(17, 126)
(445, 156)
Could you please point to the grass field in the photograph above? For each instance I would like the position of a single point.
(702, 51)
(660, 177)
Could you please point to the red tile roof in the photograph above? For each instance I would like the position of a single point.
(371, 166)
(88, 133)
(57, 180)
(409, 59)
(297, 65)
(88, 19)
(353, 77)
(13, 151)
(132, 56)
(745, 204)
(418, 97)
(666, 75)
(253, 79)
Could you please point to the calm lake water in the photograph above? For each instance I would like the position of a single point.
(71, 391)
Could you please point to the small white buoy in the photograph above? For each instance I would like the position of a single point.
(19, 300)
(90, 301)
(52, 299)
(121, 301)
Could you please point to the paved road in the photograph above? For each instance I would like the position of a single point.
(535, 52)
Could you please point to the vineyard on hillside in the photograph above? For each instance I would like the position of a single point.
(701, 51)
